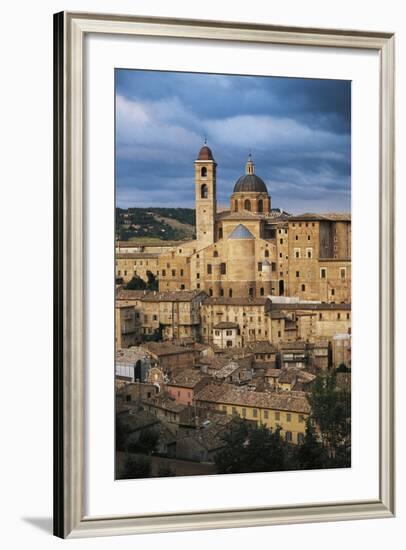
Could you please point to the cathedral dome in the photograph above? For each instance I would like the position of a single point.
(205, 153)
(250, 182)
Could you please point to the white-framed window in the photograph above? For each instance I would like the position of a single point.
(343, 273)
(309, 252)
(296, 252)
(323, 273)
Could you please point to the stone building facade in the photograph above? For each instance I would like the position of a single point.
(254, 250)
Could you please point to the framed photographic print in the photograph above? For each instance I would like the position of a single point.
(224, 286)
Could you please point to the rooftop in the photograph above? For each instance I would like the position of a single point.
(174, 296)
(242, 301)
(130, 355)
(136, 255)
(236, 395)
(241, 232)
(329, 216)
(225, 324)
(164, 348)
(124, 294)
(261, 347)
(186, 378)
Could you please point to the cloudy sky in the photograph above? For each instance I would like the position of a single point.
(298, 131)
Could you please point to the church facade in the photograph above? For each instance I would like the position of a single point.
(252, 250)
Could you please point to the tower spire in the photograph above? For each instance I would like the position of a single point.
(249, 167)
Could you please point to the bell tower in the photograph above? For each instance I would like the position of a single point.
(205, 192)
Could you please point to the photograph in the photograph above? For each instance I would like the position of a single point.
(232, 274)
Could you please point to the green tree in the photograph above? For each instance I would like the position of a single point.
(136, 283)
(152, 283)
(310, 454)
(331, 410)
(249, 448)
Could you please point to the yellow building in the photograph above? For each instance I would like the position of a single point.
(288, 410)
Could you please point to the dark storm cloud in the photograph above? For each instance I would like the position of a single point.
(297, 129)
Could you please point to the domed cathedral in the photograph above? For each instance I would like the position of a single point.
(252, 251)
(232, 258)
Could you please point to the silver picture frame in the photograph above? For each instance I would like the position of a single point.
(70, 30)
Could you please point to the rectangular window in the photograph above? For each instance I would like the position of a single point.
(173, 272)
(281, 241)
(273, 266)
(333, 291)
(155, 317)
(259, 266)
(234, 410)
(303, 288)
(309, 252)
(255, 413)
(320, 316)
(296, 252)
(163, 273)
(197, 275)
(338, 316)
(297, 273)
(181, 272)
(208, 269)
(244, 413)
(224, 408)
(288, 417)
(342, 273)
(266, 414)
(223, 269)
(277, 415)
(323, 273)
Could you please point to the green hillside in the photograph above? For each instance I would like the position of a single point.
(167, 224)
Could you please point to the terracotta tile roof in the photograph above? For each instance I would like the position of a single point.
(225, 324)
(329, 216)
(174, 296)
(261, 347)
(164, 348)
(123, 294)
(186, 378)
(235, 395)
(243, 301)
(136, 256)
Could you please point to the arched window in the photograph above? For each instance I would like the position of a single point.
(260, 205)
(215, 254)
(236, 205)
(204, 191)
(266, 253)
(203, 172)
(247, 205)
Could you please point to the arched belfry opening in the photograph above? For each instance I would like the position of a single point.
(260, 205)
(203, 172)
(204, 191)
(247, 205)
